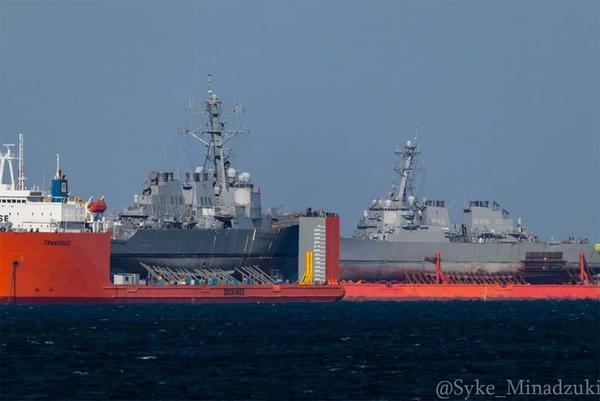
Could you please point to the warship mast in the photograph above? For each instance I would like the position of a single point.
(218, 137)
(409, 154)
(215, 130)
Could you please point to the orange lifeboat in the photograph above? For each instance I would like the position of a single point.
(97, 206)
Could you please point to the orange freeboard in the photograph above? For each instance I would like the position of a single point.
(384, 291)
(51, 265)
(74, 267)
(224, 293)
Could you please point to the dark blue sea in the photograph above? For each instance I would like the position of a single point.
(342, 351)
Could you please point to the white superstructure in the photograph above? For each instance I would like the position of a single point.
(23, 209)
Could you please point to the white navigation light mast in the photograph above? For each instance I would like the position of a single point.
(21, 174)
(57, 176)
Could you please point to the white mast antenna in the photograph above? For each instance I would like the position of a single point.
(21, 173)
(57, 176)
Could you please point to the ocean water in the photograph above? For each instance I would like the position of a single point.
(345, 351)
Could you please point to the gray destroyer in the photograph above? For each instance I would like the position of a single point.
(210, 219)
(397, 233)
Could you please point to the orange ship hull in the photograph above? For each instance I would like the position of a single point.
(397, 292)
(53, 265)
(74, 268)
(223, 293)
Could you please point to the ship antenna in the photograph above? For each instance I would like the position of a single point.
(417, 132)
(21, 173)
(57, 176)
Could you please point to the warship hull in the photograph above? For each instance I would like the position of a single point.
(273, 251)
(374, 260)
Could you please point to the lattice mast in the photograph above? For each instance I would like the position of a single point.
(218, 136)
(405, 167)
(21, 172)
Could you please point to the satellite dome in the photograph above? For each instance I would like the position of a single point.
(231, 172)
(244, 177)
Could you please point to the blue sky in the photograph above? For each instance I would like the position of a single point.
(507, 95)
